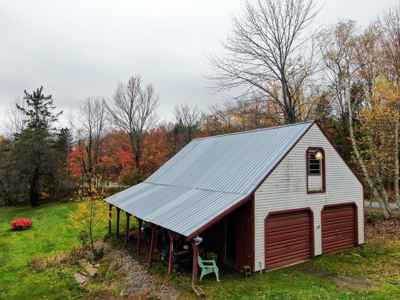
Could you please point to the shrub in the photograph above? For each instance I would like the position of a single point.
(21, 224)
(91, 212)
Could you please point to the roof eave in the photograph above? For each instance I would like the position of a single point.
(219, 217)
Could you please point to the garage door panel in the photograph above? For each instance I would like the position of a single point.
(338, 211)
(279, 224)
(332, 219)
(335, 243)
(339, 231)
(287, 229)
(289, 248)
(279, 243)
(338, 228)
(287, 238)
(289, 259)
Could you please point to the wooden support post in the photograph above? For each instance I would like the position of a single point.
(109, 218)
(127, 228)
(118, 213)
(195, 253)
(152, 244)
(172, 237)
(139, 238)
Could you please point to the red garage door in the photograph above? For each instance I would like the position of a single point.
(338, 228)
(287, 238)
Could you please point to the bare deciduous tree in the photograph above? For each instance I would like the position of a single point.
(189, 117)
(92, 127)
(338, 47)
(134, 110)
(269, 54)
(15, 119)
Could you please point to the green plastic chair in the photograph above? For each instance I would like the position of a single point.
(207, 267)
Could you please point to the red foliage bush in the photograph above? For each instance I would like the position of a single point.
(21, 224)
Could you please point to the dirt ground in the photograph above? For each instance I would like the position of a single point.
(137, 282)
(347, 283)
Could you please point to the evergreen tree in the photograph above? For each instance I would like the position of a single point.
(39, 109)
(36, 160)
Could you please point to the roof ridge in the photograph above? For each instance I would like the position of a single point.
(253, 130)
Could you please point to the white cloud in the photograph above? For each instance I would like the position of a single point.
(76, 49)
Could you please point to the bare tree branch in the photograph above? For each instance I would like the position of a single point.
(134, 110)
(268, 52)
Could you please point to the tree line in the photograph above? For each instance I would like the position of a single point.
(281, 70)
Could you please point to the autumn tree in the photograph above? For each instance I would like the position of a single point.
(220, 120)
(379, 139)
(157, 151)
(92, 210)
(388, 25)
(117, 163)
(348, 56)
(269, 54)
(240, 115)
(379, 121)
(134, 110)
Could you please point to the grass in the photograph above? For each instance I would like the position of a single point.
(50, 240)
(278, 284)
(49, 235)
(377, 260)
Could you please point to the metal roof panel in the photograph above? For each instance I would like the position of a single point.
(207, 177)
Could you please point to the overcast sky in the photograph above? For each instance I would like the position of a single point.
(77, 49)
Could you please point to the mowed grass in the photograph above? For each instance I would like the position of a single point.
(278, 284)
(377, 260)
(49, 235)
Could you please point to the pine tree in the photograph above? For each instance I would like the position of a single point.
(36, 161)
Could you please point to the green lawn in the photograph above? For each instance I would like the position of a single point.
(50, 234)
(279, 284)
(377, 260)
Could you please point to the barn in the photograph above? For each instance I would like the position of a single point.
(264, 198)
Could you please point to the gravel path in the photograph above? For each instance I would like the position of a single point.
(138, 283)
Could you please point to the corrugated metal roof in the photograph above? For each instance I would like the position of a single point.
(208, 177)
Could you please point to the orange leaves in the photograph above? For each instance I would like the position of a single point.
(240, 116)
(76, 158)
(156, 151)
